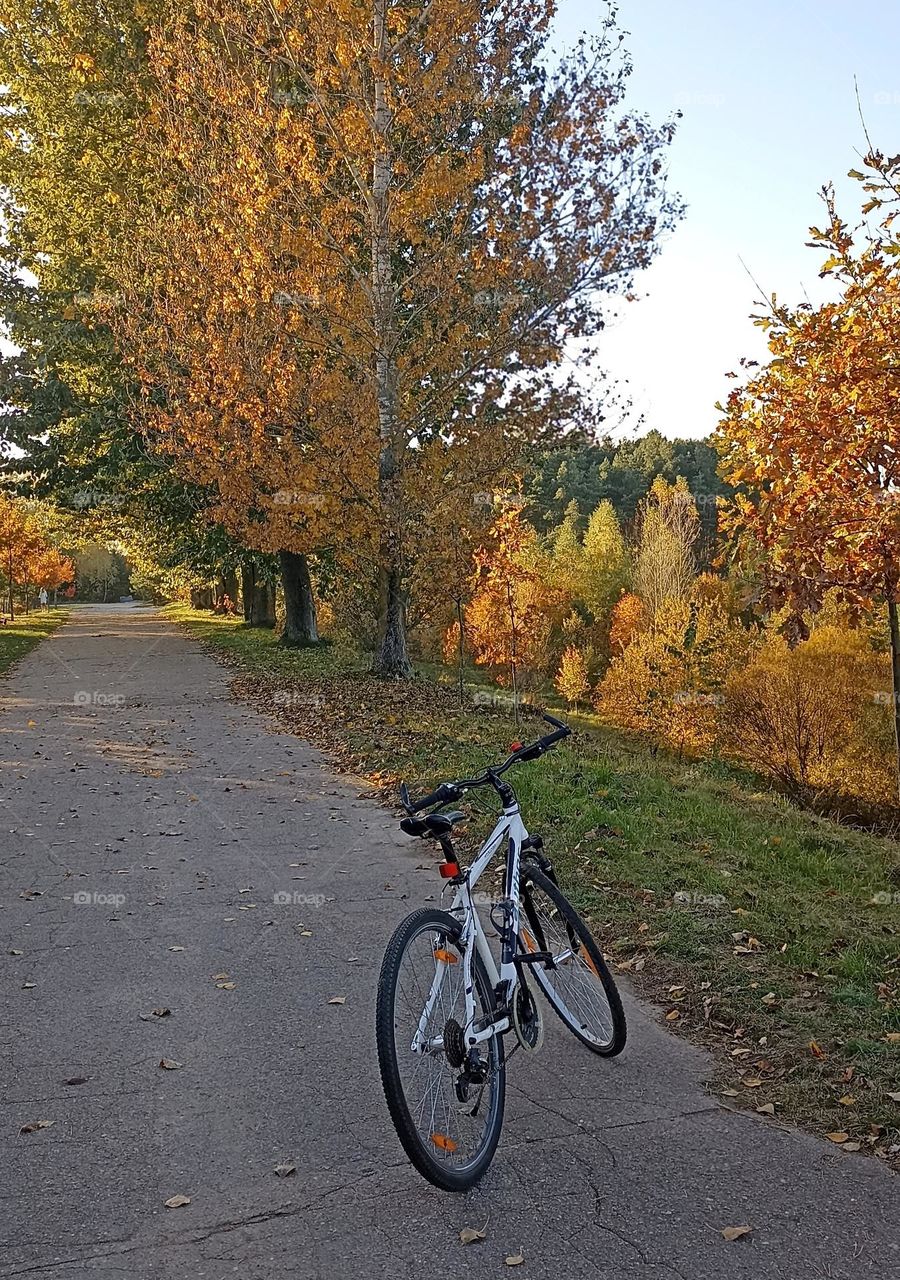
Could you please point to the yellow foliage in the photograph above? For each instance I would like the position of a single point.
(668, 682)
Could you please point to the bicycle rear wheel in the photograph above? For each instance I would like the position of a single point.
(446, 1104)
(579, 985)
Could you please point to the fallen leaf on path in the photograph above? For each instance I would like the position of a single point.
(338, 1000)
(673, 1015)
(176, 948)
(177, 1202)
(221, 977)
(840, 1137)
(515, 1260)
(469, 1235)
(285, 1170)
(852, 1146)
(77, 1080)
(735, 1233)
(169, 1064)
(14, 953)
(35, 1125)
(226, 986)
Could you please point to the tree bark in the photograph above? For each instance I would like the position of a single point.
(299, 606)
(262, 608)
(894, 620)
(248, 588)
(392, 659)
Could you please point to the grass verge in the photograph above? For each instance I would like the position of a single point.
(765, 933)
(21, 636)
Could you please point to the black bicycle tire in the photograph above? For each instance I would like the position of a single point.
(431, 1169)
(574, 921)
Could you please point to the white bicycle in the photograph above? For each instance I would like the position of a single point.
(444, 1004)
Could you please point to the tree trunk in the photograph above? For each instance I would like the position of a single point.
(248, 588)
(894, 621)
(230, 579)
(392, 659)
(218, 592)
(262, 607)
(299, 605)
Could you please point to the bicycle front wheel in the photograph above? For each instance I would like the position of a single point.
(577, 983)
(446, 1102)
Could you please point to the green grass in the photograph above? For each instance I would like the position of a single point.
(678, 866)
(28, 630)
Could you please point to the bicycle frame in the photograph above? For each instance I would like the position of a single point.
(511, 828)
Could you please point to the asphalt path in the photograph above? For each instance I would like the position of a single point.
(164, 847)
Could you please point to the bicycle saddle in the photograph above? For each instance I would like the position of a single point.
(434, 826)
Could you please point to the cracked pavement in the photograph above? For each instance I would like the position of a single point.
(147, 822)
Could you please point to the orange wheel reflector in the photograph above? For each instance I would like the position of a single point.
(586, 957)
(515, 746)
(441, 1140)
(447, 956)
(530, 943)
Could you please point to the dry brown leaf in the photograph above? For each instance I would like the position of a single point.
(515, 1259)
(751, 1082)
(816, 1050)
(35, 1125)
(893, 1037)
(894, 1097)
(770, 998)
(77, 1080)
(177, 1202)
(226, 986)
(840, 1137)
(285, 1170)
(735, 1233)
(338, 1000)
(673, 1015)
(851, 1146)
(469, 1235)
(176, 948)
(767, 1109)
(848, 1100)
(169, 1064)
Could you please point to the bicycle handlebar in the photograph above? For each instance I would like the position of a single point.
(448, 791)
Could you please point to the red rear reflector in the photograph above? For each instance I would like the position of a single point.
(515, 746)
(449, 870)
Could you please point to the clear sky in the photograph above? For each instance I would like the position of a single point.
(766, 90)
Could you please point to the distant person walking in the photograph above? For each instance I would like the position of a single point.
(44, 598)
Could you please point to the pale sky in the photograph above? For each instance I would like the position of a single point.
(770, 115)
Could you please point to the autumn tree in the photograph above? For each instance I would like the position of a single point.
(455, 212)
(813, 438)
(668, 527)
(572, 682)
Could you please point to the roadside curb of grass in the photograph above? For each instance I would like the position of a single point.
(20, 637)
(718, 999)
